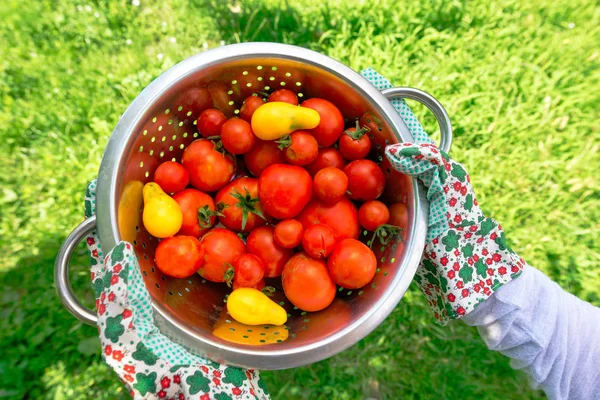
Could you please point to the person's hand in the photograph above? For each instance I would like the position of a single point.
(147, 362)
(466, 257)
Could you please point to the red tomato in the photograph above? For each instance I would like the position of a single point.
(259, 286)
(330, 185)
(284, 190)
(352, 264)
(399, 217)
(237, 136)
(221, 248)
(332, 122)
(398, 186)
(288, 233)
(373, 214)
(299, 148)
(209, 169)
(263, 155)
(219, 93)
(365, 180)
(209, 122)
(327, 157)
(179, 256)
(318, 241)
(250, 105)
(342, 217)
(198, 212)
(261, 243)
(171, 177)
(355, 144)
(284, 95)
(245, 84)
(239, 206)
(248, 270)
(307, 284)
(192, 102)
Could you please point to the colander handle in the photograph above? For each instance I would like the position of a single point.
(61, 273)
(432, 104)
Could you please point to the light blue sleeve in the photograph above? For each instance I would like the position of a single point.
(547, 332)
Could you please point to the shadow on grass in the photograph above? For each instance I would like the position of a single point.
(45, 351)
(279, 21)
(257, 21)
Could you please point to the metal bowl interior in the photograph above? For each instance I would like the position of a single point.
(161, 123)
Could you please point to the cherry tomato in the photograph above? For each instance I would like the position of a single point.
(365, 180)
(192, 102)
(284, 190)
(342, 217)
(399, 217)
(239, 206)
(332, 122)
(263, 155)
(261, 243)
(221, 248)
(259, 286)
(352, 264)
(209, 122)
(237, 136)
(307, 284)
(373, 214)
(209, 169)
(330, 185)
(398, 187)
(172, 177)
(288, 233)
(327, 157)
(179, 256)
(284, 95)
(198, 212)
(219, 93)
(248, 270)
(355, 143)
(299, 148)
(245, 84)
(250, 105)
(318, 241)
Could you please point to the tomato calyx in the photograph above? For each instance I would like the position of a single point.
(386, 234)
(268, 291)
(204, 216)
(218, 144)
(262, 93)
(229, 274)
(358, 132)
(247, 203)
(284, 142)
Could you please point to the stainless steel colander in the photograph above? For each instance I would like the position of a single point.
(160, 123)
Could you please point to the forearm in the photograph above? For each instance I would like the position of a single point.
(549, 333)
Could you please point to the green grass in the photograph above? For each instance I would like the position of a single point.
(519, 79)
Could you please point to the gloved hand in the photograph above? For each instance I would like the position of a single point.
(148, 363)
(466, 257)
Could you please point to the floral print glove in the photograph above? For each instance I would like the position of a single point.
(466, 257)
(148, 363)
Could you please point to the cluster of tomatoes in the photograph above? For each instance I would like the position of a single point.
(291, 208)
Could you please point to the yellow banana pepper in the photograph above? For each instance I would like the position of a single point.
(162, 216)
(274, 120)
(129, 210)
(253, 307)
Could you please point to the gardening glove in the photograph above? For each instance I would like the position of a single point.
(466, 258)
(147, 362)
